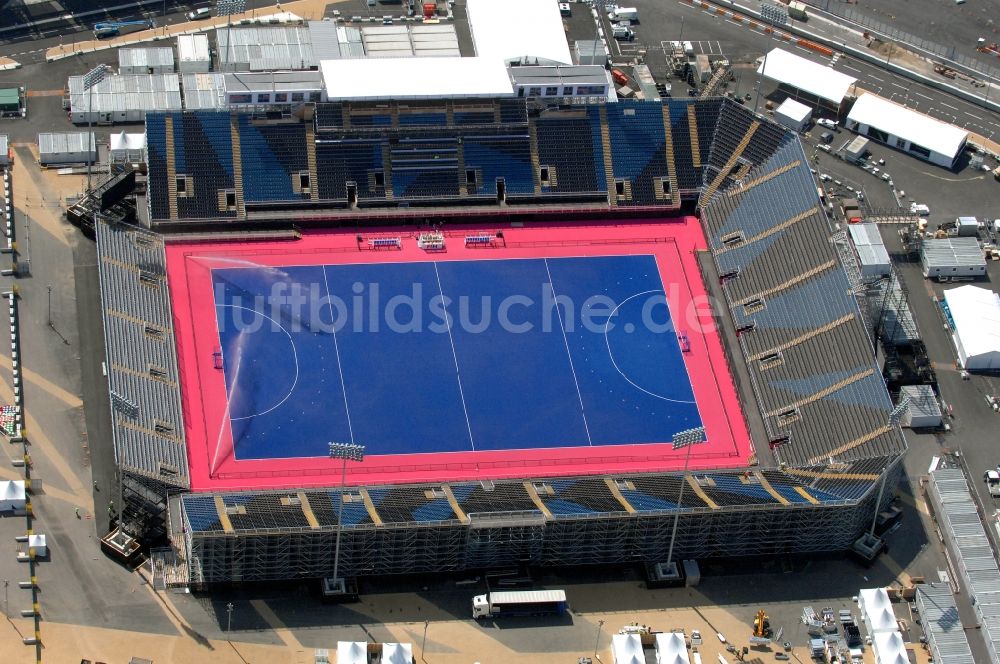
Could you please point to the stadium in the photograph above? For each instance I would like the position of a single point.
(250, 319)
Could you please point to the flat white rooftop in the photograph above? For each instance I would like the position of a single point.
(416, 78)
(514, 29)
(908, 124)
(798, 72)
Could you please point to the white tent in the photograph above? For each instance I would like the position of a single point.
(810, 77)
(976, 314)
(671, 649)
(877, 609)
(793, 114)
(627, 649)
(352, 652)
(37, 542)
(889, 648)
(12, 496)
(397, 653)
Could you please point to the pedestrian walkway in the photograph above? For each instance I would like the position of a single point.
(309, 10)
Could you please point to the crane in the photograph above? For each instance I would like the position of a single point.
(114, 28)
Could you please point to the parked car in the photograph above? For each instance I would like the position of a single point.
(199, 14)
(829, 124)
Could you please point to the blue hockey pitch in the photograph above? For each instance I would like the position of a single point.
(399, 357)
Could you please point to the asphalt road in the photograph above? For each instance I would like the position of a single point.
(941, 21)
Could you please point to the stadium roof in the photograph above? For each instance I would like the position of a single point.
(414, 78)
(816, 79)
(908, 124)
(516, 29)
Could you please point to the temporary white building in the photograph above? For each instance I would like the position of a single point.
(397, 653)
(877, 610)
(146, 60)
(975, 313)
(671, 649)
(412, 78)
(923, 409)
(66, 147)
(949, 257)
(889, 648)
(12, 496)
(193, 55)
(627, 649)
(352, 652)
(873, 257)
(809, 81)
(37, 542)
(793, 114)
(905, 129)
(525, 30)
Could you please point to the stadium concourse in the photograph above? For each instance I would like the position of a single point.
(557, 444)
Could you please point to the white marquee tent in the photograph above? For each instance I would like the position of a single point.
(877, 610)
(889, 648)
(12, 496)
(627, 649)
(397, 653)
(352, 652)
(976, 314)
(671, 649)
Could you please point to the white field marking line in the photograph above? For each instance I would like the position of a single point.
(579, 396)
(901, 87)
(611, 356)
(295, 358)
(922, 95)
(855, 69)
(336, 350)
(225, 416)
(954, 108)
(876, 78)
(974, 116)
(454, 355)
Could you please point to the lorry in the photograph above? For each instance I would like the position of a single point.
(519, 603)
(992, 479)
(624, 14)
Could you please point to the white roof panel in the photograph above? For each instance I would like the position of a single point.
(794, 110)
(192, 48)
(908, 124)
(976, 312)
(514, 29)
(806, 75)
(412, 78)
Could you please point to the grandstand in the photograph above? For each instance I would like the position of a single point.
(822, 424)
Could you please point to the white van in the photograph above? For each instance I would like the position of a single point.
(199, 14)
(624, 14)
(920, 208)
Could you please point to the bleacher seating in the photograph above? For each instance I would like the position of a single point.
(142, 362)
(204, 153)
(806, 342)
(272, 156)
(570, 142)
(637, 149)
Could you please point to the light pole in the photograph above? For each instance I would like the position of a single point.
(597, 642)
(227, 8)
(90, 80)
(229, 618)
(423, 643)
(688, 438)
(6, 610)
(49, 288)
(346, 452)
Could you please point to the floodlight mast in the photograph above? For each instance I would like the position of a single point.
(346, 452)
